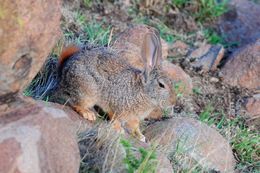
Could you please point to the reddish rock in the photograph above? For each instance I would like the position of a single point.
(39, 137)
(178, 76)
(243, 67)
(207, 57)
(197, 141)
(253, 105)
(28, 31)
(178, 48)
(253, 108)
(241, 23)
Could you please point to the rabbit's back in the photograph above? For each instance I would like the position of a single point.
(110, 81)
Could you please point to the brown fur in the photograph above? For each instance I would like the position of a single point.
(98, 76)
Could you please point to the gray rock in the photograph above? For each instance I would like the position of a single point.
(241, 23)
(199, 143)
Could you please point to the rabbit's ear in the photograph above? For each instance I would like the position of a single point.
(151, 52)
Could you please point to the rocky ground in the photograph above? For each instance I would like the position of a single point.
(211, 52)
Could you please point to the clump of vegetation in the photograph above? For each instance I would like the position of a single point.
(44, 81)
(181, 162)
(147, 163)
(212, 37)
(97, 33)
(203, 10)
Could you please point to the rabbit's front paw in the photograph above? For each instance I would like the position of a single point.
(89, 115)
(142, 138)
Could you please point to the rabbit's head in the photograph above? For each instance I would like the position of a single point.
(156, 84)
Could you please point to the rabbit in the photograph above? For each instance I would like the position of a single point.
(97, 76)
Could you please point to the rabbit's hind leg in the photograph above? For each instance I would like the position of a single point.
(133, 125)
(83, 108)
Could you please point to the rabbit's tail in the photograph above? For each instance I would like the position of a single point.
(66, 54)
(45, 81)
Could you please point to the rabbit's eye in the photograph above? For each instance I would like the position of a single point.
(161, 85)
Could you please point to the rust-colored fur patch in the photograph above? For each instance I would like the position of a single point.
(67, 52)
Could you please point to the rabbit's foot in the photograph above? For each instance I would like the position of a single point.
(142, 138)
(117, 126)
(139, 135)
(89, 115)
(86, 113)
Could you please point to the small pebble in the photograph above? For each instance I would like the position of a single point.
(214, 80)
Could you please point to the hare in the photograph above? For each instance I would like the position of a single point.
(97, 76)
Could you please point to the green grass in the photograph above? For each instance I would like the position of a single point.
(210, 9)
(87, 3)
(180, 3)
(196, 90)
(97, 33)
(212, 37)
(93, 32)
(179, 87)
(146, 163)
(205, 9)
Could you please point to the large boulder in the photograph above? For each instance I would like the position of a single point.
(198, 142)
(241, 23)
(242, 69)
(28, 31)
(39, 137)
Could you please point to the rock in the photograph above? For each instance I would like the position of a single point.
(164, 164)
(195, 140)
(129, 43)
(253, 105)
(178, 48)
(242, 69)
(178, 76)
(214, 80)
(28, 31)
(253, 108)
(39, 137)
(200, 51)
(241, 23)
(207, 57)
